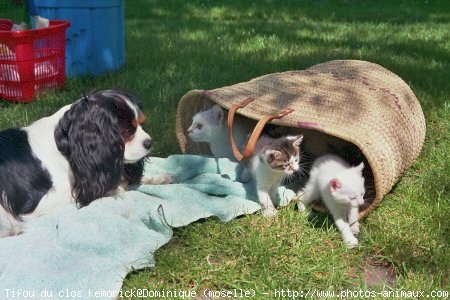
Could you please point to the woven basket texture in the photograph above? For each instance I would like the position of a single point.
(357, 101)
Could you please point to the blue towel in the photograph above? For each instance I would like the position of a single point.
(75, 253)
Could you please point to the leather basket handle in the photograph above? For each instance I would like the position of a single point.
(250, 147)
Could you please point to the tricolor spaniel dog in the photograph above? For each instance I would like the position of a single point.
(89, 149)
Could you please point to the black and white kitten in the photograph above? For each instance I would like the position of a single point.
(272, 161)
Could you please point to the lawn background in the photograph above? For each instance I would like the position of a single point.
(175, 46)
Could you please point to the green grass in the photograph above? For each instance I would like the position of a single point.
(175, 46)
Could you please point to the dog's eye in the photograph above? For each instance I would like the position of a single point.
(199, 126)
(128, 132)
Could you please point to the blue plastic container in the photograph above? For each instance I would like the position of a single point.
(95, 39)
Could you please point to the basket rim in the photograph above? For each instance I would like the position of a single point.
(389, 150)
(55, 26)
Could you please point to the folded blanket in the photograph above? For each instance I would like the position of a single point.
(75, 253)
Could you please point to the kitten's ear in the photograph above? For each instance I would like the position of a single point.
(298, 140)
(272, 155)
(335, 184)
(360, 167)
(217, 114)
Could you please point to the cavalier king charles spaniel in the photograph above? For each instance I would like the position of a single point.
(87, 150)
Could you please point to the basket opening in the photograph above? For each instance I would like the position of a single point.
(315, 144)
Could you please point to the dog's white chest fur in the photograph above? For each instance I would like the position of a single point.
(42, 142)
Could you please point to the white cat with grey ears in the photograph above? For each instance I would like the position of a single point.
(209, 126)
(341, 188)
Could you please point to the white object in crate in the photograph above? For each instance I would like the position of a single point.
(19, 27)
(41, 22)
(41, 70)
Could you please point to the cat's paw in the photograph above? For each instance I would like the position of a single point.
(355, 228)
(301, 207)
(269, 212)
(351, 242)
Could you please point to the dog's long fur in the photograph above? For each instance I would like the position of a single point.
(81, 153)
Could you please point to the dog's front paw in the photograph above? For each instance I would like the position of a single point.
(165, 178)
(121, 190)
(14, 230)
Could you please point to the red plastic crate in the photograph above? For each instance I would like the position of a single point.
(31, 61)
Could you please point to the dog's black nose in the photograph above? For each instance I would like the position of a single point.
(148, 144)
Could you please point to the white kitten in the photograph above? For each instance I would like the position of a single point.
(210, 126)
(341, 188)
(272, 160)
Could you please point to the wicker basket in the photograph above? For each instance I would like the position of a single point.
(357, 101)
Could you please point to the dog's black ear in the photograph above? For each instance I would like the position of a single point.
(88, 136)
(133, 172)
